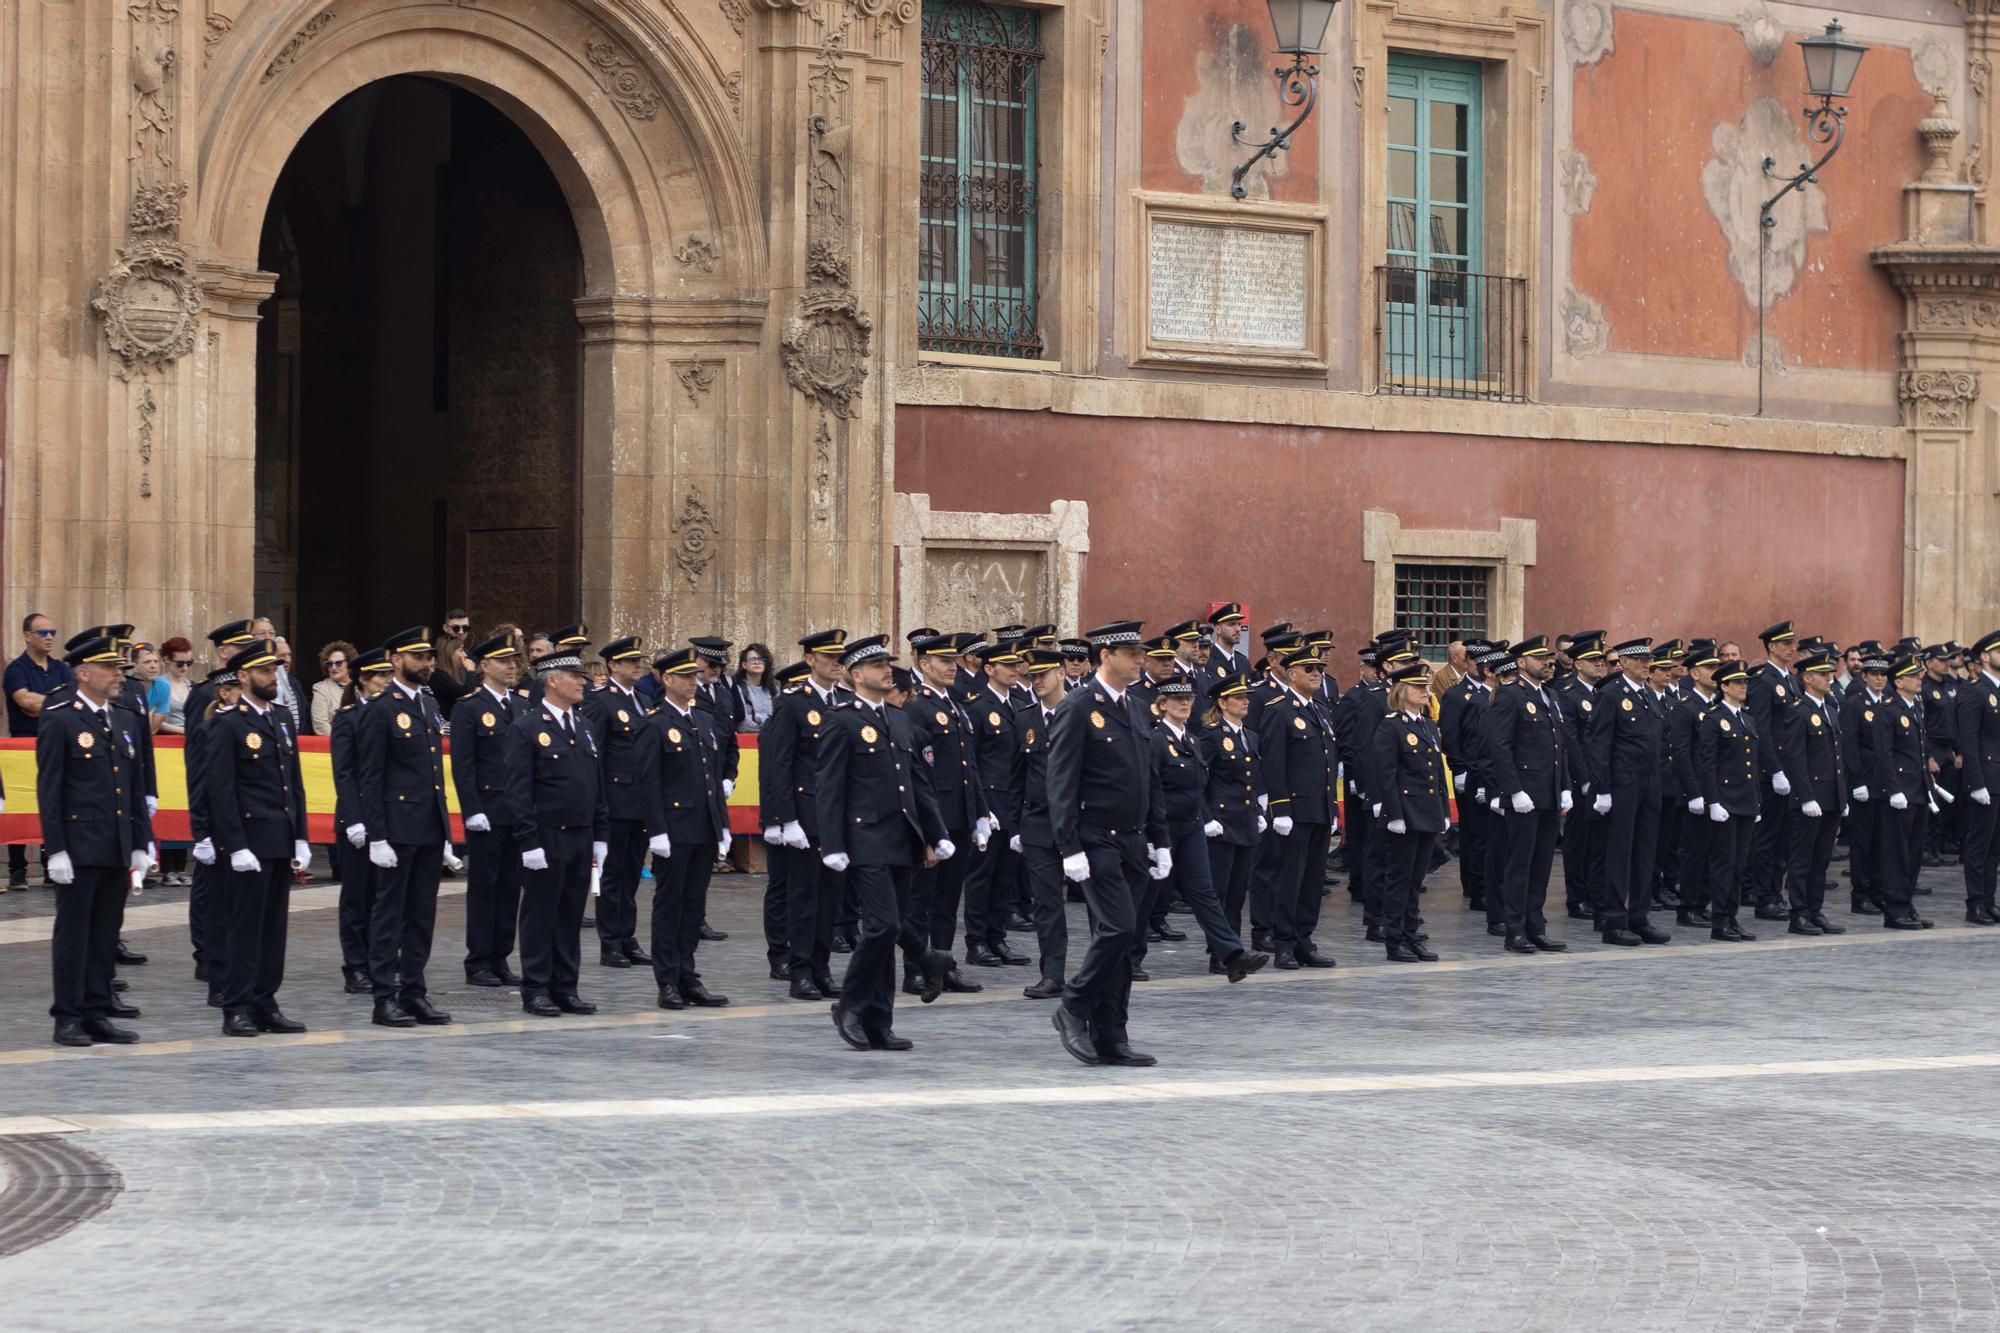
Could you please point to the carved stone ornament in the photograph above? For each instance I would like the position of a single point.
(156, 209)
(1940, 398)
(697, 378)
(697, 526)
(623, 78)
(1585, 330)
(825, 265)
(215, 27)
(732, 87)
(826, 349)
(288, 54)
(1579, 182)
(1957, 312)
(149, 413)
(697, 252)
(736, 12)
(1761, 34)
(150, 304)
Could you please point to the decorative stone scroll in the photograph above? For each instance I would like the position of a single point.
(1938, 398)
(150, 305)
(826, 349)
(624, 78)
(289, 52)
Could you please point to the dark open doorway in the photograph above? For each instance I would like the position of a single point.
(418, 374)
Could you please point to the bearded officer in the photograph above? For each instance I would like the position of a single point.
(1296, 742)
(480, 723)
(689, 824)
(788, 785)
(630, 759)
(1815, 768)
(942, 733)
(1527, 765)
(1627, 746)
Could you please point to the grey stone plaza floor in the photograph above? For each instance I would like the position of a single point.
(1794, 1134)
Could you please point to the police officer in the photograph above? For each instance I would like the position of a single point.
(629, 752)
(207, 923)
(1527, 773)
(1683, 720)
(1406, 776)
(1864, 769)
(1459, 722)
(942, 732)
(877, 821)
(95, 840)
(1903, 771)
(989, 879)
(1236, 794)
(1726, 767)
(480, 723)
(399, 752)
(1034, 838)
(554, 801)
(1584, 830)
(1944, 834)
(367, 677)
(1815, 769)
(788, 749)
(1296, 743)
(690, 831)
(1502, 670)
(774, 802)
(1360, 698)
(1977, 732)
(1110, 831)
(1076, 663)
(1773, 691)
(1662, 674)
(1627, 745)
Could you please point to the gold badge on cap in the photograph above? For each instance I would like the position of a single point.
(253, 742)
(487, 719)
(812, 717)
(869, 735)
(1097, 719)
(1229, 745)
(85, 741)
(673, 735)
(403, 721)
(542, 738)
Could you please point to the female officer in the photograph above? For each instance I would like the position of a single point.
(1234, 802)
(1407, 779)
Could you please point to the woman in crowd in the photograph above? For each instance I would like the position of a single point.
(336, 662)
(169, 692)
(754, 695)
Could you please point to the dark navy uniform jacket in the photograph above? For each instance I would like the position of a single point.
(1627, 741)
(1407, 774)
(1941, 709)
(1029, 783)
(1235, 781)
(480, 723)
(346, 776)
(1183, 778)
(1461, 726)
(1814, 761)
(726, 715)
(688, 801)
(1901, 760)
(87, 784)
(1526, 746)
(1857, 727)
(788, 759)
(1977, 732)
(875, 802)
(629, 750)
(1361, 708)
(399, 753)
(1301, 770)
(1579, 702)
(995, 743)
(256, 798)
(1682, 721)
(1773, 690)
(942, 732)
(1726, 746)
(553, 782)
(1101, 770)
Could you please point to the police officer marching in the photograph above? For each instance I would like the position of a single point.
(480, 723)
(1977, 731)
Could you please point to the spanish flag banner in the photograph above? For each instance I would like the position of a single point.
(21, 822)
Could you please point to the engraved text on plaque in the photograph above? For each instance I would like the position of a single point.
(1234, 286)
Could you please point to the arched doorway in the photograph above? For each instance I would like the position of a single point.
(419, 372)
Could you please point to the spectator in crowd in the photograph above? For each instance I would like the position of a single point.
(168, 697)
(754, 694)
(328, 690)
(29, 679)
(146, 671)
(288, 684)
(452, 669)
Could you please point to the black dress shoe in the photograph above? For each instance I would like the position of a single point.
(484, 978)
(1827, 927)
(118, 983)
(587, 922)
(1723, 931)
(1015, 921)
(698, 995)
(779, 972)
(127, 957)
(104, 1030)
(1312, 958)
(238, 1025)
(711, 934)
(1976, 914)
(1013, 957)
(1519, 944)
(1772, 912)
(571, 1004)
(389, 1014)
(803, 989)
(1543, 944)
(1260, 940)
(937, 975)
(1903, 923)
(69, 1031)
(1802, 925)
(1692, 916)
(1243, 963)
(671, 998)
(201, 971)
(980, 956)
(1495, 928)
(1285, 961)
(1167, 932)
(1075, 1034)
(955, 982)
(1399, 952)
(1375, 935)
(1121, 1053)
(613, 958)
(885, 1039)
(540, 1005)
(120, 1009)
(1624, 939)
(1736, 927)
(912, 984)
(1048, 988)
(637, 957)
(1651, 934)
(1140, 973)
(1864, 904)
(1416, 946)
(506, 975)
(420, 1008)
(356, 983)
(1578, 912)
(842, 942)
(274, 1020)
(1475, 904)
(849, 1027)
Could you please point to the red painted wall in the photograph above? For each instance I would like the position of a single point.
(1634, 538)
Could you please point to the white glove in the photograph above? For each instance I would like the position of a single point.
(1898, 801)
(1163, 857)
(795, 836)
(1495, 806)
(478, 824)
(1781, 784)
(535, 859)
(1982, 797)
(152, 806)
(1811, 810)
(1696, 806)
(1479, 795)
(1212, 829)
(1861, 795)
(1376, 809)
(775, 835)
(945, 849)
(660, 846)
(357, 836)
(598, 851)
(1458, 781)
(451, 860)
(728, 841)
(204, 852)
(835, 861)
(1076, 867)
(1717, 815)
(1262, 823)
(60, 871)
(1398, 826)
(302, 855)
(1564, 800)
(982, 832)
(382, 854)
(1282, 825)
(1157, 872)
(728, 786)
(1523, 803)
(1602, 805)
(1014, 844)
(245, 862)
(1264, 801)
(141, 862)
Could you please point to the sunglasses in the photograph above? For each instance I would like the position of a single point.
(180, 661)
(333, 662)
(44, 633)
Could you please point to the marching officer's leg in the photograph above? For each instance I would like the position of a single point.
(1045, 883)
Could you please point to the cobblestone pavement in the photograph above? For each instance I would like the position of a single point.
(1791, 1134)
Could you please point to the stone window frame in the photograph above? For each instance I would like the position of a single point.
(1061, 536)
(1069, 117)
(1511, 49)
(1507, 551)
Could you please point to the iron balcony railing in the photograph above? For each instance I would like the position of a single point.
(1450, 333)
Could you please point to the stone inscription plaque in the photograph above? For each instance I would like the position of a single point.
(1234, 286)
(983, 586)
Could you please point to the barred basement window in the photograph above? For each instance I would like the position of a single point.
(1442, 603)
(976, 199)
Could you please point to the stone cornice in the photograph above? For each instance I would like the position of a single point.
(1930, 269)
